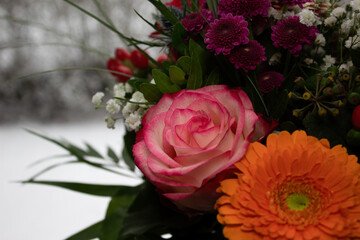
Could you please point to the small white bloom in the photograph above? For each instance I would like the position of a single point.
(128, 88)
(353, 42)
(133, 122)
(97, 99)
(112, 106)
(338, 12)
(319, 51)
(288, 14)
(328, 62)
(275, 13)
(320, 39)
(344, 66)
(350, 63)
(119, 90)
(347, 25)
(139, 97)
(152, 81)
(330, 21)
(308, 18)
(275, 59)
(110, 122)
(355, 4)
(128, 109)
(308, 61)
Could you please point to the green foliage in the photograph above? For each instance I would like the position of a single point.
(129, 141)
(185, 63)
(277, 102)
(151, 92)
(178, 36)
(177, 75)
(163, 82)
(213, 78)
(197, 54)
(91, 232)
(166, 13)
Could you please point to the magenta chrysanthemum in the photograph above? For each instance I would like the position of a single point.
(289, 2)
(291, 34)
(269, 80)
(246, 8)
(226, 33)
(247, 56)
(196, 21)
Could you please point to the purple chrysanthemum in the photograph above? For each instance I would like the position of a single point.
(246, 8)
(247, 56)
(269, 80)
(226, 33)
(291, 34)
(196, 21)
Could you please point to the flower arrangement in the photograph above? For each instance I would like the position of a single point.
(245, 126)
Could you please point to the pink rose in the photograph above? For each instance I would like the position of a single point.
(191, 138)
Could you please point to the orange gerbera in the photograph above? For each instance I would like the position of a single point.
(296, 187)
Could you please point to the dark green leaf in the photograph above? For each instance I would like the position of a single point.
(178, 36)
(196, 72)
(177, 75)
(163, 82)
(212, 4)
(129, 141)
(136, 82)
(91, 232)
(167, 14)
(92, 189)
(277, 103)
(115, 214)
(185, 63)
(112, 155)
(213, 78)
(151, 92)
(92, 152)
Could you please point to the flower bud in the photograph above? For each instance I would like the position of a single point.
(345, 77)
(338, 88)
(306, 96)
(353, 138)
(354, 98)
(322, 112)
(328, 91)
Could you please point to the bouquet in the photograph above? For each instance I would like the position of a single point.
(245, 125)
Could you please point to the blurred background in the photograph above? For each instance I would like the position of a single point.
(38, 36)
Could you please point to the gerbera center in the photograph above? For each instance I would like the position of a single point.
(297, 201)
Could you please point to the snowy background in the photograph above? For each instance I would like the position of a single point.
(40, 35)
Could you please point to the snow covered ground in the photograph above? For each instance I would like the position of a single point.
(43, 212)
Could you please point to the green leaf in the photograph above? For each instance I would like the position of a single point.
(136, 82)
(151, 92)
(185, 63)
(167, 14)
(177, 75)
(92, 152)
(116, 213)
(213, 6)
(178, 35)
(92, 189)
(129, 141)
(91, 232)
(197, 60)
(213, 78)
(112, 155)
(163, 82)
(277, 103)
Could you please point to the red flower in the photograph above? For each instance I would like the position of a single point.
(196, 21)
(269, 80)
(247, 56)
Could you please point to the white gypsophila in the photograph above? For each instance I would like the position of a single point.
(140, 111)
(133, 122)
(347, 25)
(97, 99)
(119, 90)
(350, 63)
(275, 13)
(330, 21)
(308, 61)
(113, 106)
(353, 42)
(320, 39)
(275, 59)
(308, 18)
(128, 109)
(338, 12)
(152, 81)
(355, 4)
(319, 51)
(139, 98)
(288, 14)
(128, 88)
(110, 122)
(344, 67)
(328, 62)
